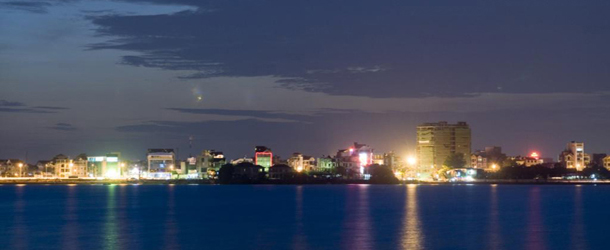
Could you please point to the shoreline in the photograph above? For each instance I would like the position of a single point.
(342, 182)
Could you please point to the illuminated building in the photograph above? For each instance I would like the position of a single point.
(108, 166)
(263, 157)
(356, 159)
(209, 163)
(437, 141)
(79, 168)
(485, 159)
(392, 160)
(526, 161)
(300, 162)
(326, 164)
(161, 162)
(242, 160)
(574, 156)
(11, 168)
(62, 165)
(378, 159)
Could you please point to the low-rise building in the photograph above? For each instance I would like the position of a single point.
(263, 157)
(161, 162)
(300, 162)
(281, 172)
(356, 159)
(62, 166)
(326, 164)
(12, 168)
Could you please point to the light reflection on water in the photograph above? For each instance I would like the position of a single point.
(304, 217)
(110, 225)
(495, 236)
(412, 236)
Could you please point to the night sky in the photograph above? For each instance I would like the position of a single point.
(300, 76)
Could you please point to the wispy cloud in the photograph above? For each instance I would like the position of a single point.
(5, 103)
(39, 7)
(63, 127)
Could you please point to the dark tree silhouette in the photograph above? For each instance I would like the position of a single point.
(455, 160)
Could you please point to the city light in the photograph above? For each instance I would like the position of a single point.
(535, 155)
(411, 160)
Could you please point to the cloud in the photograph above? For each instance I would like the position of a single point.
(51, 108)
(63, 127)
(263, 114)
(39, 7)
(5, 103)
(394, 49)
(19, 107)
(23, 110)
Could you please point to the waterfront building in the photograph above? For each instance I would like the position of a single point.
(247, 172)
(281, 172)
(242, 160)
(437, 141)
(12, 167)
(62, 165)
(107, 166)
(209, 163)
(526, 161)
(79, 168)
(392, 160)
(491, 158)
(356, 159)
(300, 162)
(263, 157)
(574, 156)
(326, 164)
(161, 162)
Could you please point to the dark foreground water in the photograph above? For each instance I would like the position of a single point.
(304, 217)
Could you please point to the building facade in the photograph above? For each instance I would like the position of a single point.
(574, 156)
(326, 164)
(263, 157)
(437, 141)
(356, 159)
(161, 162)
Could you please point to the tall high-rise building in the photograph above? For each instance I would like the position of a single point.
(437, 141)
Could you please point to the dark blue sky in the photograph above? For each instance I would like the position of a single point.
(307, 76)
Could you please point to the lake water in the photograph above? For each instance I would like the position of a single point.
(304, 217)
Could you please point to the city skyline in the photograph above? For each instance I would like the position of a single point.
(106, 76)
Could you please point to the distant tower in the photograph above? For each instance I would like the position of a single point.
(437, 141)
(190, 146)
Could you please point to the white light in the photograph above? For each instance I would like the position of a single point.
(411, 160)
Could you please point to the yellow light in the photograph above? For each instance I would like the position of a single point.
(112, 174)
(20, 164)
(299, 169)
(494, 166)
(71, 164)
(411, 160)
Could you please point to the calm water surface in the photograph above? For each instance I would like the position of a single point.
(304, 217)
